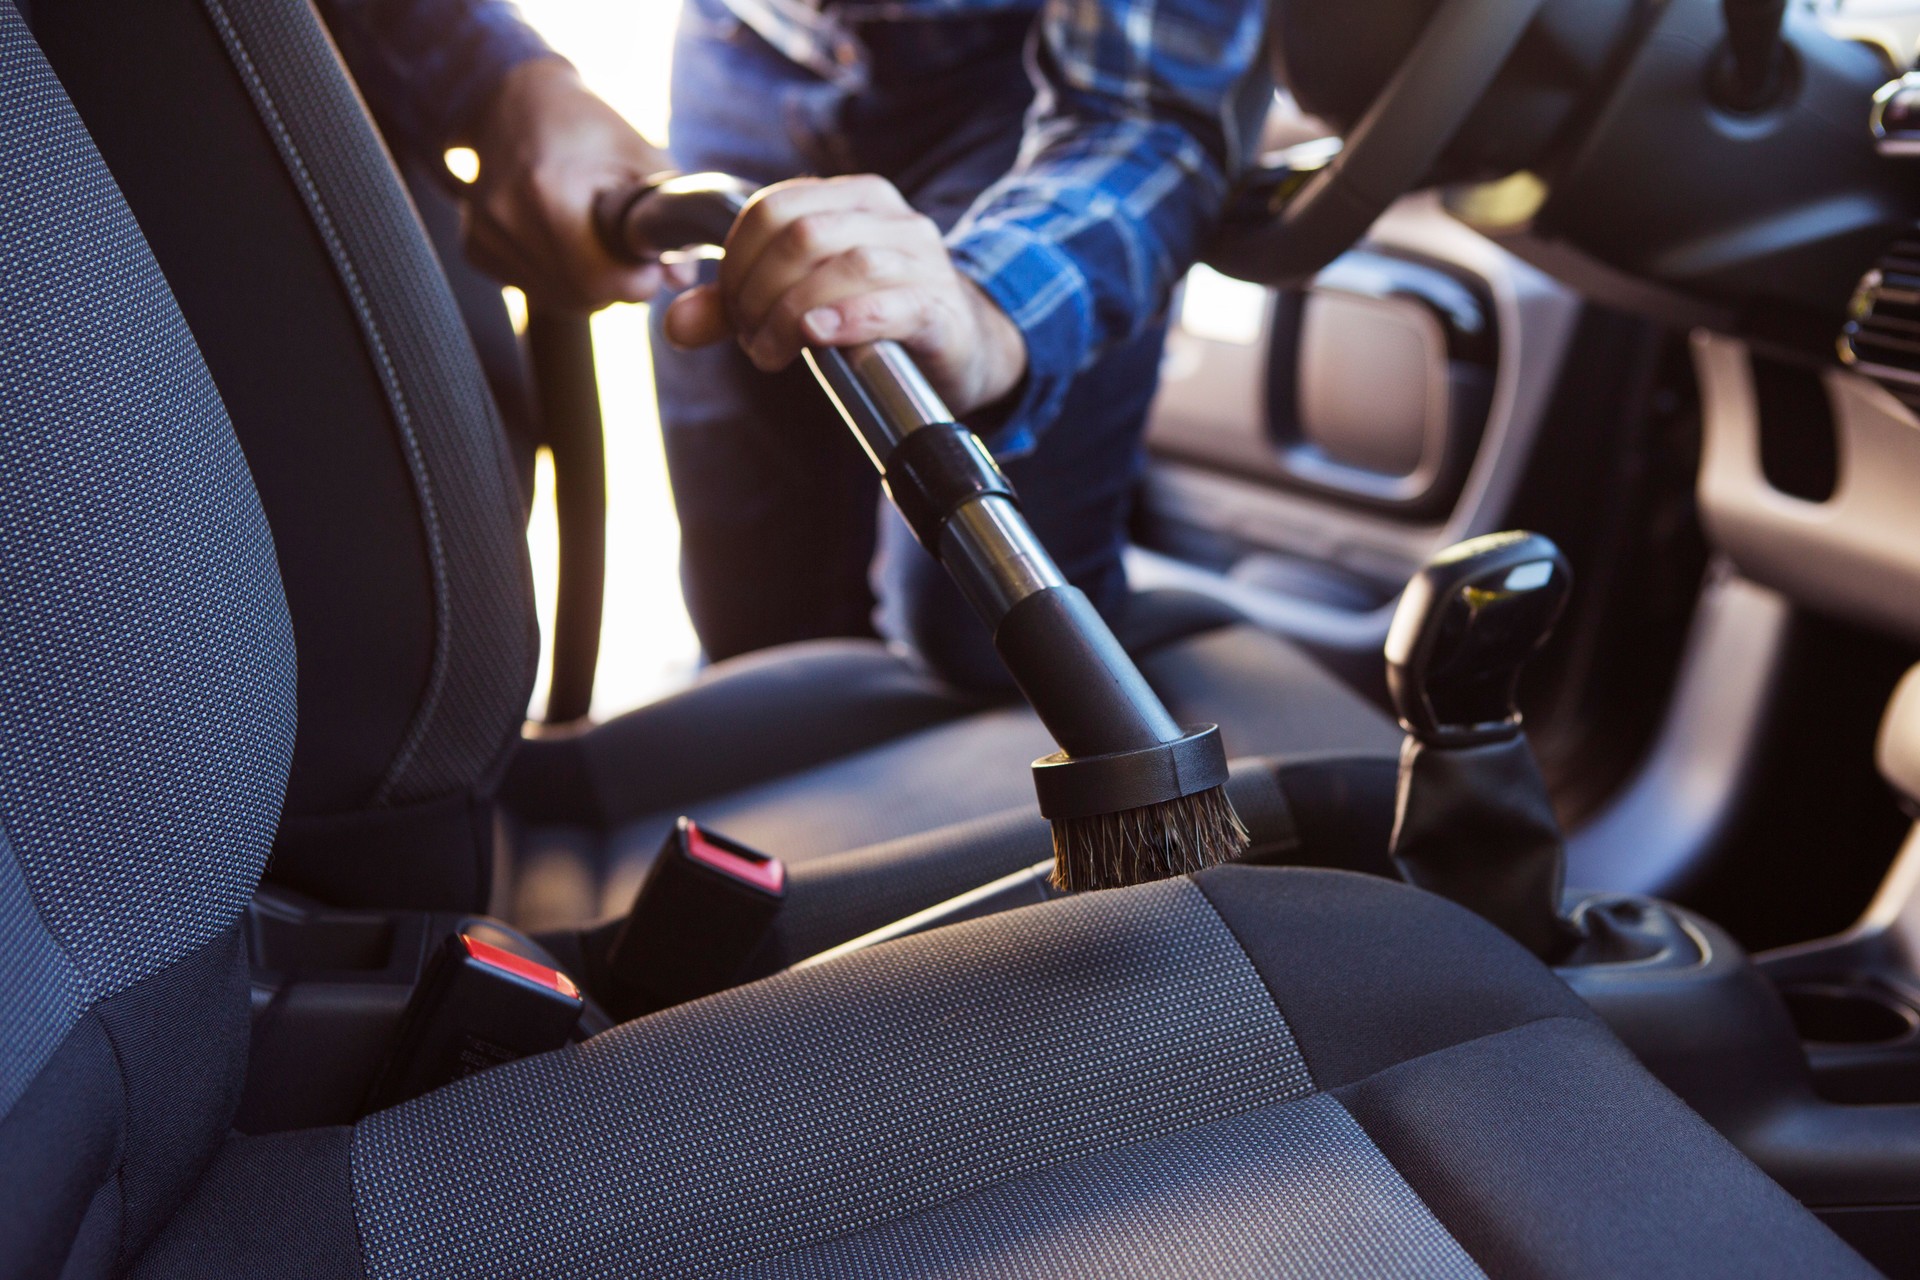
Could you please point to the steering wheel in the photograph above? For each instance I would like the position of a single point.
(1293, 217)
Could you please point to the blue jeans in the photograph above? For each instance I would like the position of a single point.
(777, 504)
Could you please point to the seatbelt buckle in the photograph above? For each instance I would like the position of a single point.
(704, 908)
(476, 1006)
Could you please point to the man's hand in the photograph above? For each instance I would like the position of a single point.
(838, 261)
(547, 146)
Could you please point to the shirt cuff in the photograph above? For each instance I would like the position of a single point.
(1042, 290)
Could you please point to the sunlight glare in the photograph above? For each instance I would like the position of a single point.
(647, 646)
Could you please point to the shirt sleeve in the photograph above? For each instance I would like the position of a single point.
(1146, 110)
(428, 67)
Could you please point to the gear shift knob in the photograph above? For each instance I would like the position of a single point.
(1474, 820)
(1465, 628)
(1899, 753)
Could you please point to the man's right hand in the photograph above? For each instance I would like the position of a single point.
(839, 261)
(547, 146)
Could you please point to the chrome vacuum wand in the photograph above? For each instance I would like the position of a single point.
(1132, 795)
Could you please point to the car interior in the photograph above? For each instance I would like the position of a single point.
(1558, 366)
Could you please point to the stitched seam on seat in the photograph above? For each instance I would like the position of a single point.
(1469, 1041)
(354, 1199)
(1388, 1155)
(1058, 1161)
(920, 1211)
(1275, 997)
(119, 1137)
(125, 1127)
(389, 380)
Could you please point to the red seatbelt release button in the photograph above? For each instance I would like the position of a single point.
(750, 866)
(504, 961)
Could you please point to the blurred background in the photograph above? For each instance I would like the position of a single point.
(647, 647)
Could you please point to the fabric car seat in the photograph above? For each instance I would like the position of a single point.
(1253, 1072)
(301, 269)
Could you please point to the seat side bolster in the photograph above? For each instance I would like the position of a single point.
(278, 1205)
(1547, 1149)
(1440, 977)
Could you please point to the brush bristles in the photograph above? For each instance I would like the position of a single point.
(1174, 838)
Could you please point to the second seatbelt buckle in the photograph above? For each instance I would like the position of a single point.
(476, 1006)
(703, 910)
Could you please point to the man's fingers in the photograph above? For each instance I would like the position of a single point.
(596, 277)
(863, 294)
(629, 284)
(697, 318)
(819, 243)
(906, 314)
(546, 248)
(773, 209)
(546, 147)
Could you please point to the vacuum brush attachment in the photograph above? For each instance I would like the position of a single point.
(1132, 795)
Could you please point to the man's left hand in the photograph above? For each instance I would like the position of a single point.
(547, 147)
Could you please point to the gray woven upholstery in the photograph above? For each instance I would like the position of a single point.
(146, 663)
(1295, 1189)
(832, 1100)
(485, 645)
(1255, 1072)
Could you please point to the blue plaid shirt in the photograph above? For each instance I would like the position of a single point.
(1146, 110)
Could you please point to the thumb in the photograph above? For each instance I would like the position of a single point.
(697, 318)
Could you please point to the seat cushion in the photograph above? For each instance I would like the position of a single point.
(819, 751)
(1253, 1072)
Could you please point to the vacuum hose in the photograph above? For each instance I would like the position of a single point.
(1132, 795)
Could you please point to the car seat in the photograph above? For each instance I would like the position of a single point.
(302, 271)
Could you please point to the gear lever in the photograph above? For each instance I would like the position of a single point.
(1474, 822)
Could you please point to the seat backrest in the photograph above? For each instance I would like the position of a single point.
(305, 277)
(146, 711)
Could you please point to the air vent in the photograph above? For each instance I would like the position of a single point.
(1882, 335)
